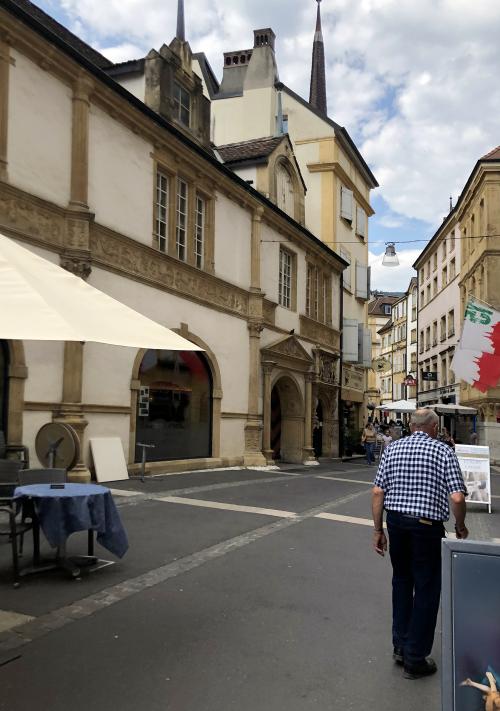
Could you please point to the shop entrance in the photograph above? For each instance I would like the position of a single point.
(174, 411)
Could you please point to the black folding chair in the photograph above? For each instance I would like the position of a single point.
(10, 525)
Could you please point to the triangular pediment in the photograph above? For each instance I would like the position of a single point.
(289, 347)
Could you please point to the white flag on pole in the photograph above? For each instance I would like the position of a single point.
(477, 356)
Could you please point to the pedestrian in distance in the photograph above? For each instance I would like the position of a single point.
(417, 477)
(369, 438)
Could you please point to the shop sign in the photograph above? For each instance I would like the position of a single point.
(430, 376)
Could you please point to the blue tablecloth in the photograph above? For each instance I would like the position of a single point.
(77, 507)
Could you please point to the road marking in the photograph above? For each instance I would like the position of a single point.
(349, 481)
(346, 519)
(125, 492)
(226, 507)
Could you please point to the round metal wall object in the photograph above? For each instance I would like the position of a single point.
(63, 440)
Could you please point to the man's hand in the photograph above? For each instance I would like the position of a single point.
(379, 542)
(461, 532)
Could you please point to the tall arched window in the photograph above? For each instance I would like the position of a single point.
(175, 405)
(284, 190)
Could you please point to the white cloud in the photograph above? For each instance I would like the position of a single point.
(415, 83)
(393, 278)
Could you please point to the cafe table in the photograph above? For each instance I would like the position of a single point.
(62, 509)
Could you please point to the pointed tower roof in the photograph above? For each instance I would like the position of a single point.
(181, 32)
(317, 94)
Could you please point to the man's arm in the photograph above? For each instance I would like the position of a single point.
(379, 539)
(458, 508)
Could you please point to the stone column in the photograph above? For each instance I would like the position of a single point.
(4, 102)
(267, 369)
(71, 409)
(80, 144)
(308, 456)
(253, 428)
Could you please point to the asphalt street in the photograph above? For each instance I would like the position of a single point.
(242, 589)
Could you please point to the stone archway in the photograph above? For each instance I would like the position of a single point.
(291, 420)
(216, 392)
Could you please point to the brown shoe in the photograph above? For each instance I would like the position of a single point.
(419, 669)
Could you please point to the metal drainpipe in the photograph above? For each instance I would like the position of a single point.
(341, 328)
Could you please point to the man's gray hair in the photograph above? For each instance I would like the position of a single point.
(424, 418)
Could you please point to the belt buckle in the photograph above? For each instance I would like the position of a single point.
(425, 521)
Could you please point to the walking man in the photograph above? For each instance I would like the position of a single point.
(416, 476)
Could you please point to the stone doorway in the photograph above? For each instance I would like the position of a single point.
(287, 421)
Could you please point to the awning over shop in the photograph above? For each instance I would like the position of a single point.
(399, 406)
(453, 409)
(41, 301)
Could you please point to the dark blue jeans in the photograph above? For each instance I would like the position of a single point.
(415, 551)
(369, 449)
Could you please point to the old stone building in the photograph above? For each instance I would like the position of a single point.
(108, 170)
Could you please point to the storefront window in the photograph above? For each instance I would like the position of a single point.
(174, 405)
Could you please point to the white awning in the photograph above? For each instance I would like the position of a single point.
(399, 406)
(41, 301)
(451, 408)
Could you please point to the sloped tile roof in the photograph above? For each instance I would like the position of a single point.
(75, 42)
(492, 155)
(255, 149)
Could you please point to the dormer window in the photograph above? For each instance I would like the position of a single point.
(182, 103)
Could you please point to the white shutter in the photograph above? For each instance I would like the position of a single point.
(362, 281)
(364, 345)
(350, 340)
(346, 197)
(367, 347)
(347, 271)
(360, 222)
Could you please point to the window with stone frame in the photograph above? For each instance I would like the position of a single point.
(312, 284)
(285, 193)
(161, 211)
(199, 236)
(182, 105)
(181, 221)
(285, 285)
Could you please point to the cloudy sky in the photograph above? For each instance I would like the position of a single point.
(415, 84)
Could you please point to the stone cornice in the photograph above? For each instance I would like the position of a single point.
(137, 261)
(336, 168)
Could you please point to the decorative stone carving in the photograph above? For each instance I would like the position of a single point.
(77, 233)
(255, 329)
(253, 437)
(319, 332)
(290, 347)
(329, 369)
(157, 268)
(77, 264)
(22, 214)
(353, 379)
(269, 312)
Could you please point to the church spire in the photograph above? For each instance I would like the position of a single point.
(181, 32)
(317, 95)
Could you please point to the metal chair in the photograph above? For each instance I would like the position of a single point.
(21, 452)
(10, 526)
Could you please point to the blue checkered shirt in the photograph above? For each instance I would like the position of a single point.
(417, 474)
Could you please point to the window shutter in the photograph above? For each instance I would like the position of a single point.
(347, 270)
(346, 203)
(362, 281)
(350, 340)
(364, 345)
(360, 222)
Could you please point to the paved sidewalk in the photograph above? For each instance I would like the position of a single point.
(241, 590)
